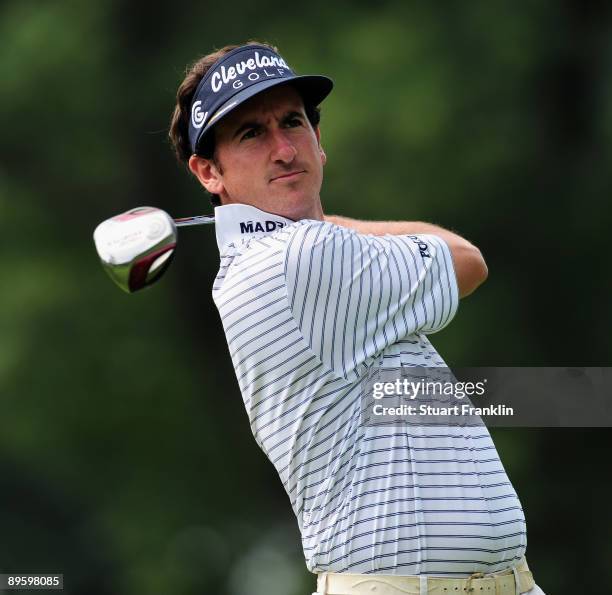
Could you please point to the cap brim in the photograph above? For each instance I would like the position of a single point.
(313, 89)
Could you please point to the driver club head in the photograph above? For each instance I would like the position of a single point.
(136, 247)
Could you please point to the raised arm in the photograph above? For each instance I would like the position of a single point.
(470, 267)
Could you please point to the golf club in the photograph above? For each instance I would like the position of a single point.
(136, 247)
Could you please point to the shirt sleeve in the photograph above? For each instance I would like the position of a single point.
(353, 295)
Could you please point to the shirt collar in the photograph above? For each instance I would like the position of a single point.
(236, 222)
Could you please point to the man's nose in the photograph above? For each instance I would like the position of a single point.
(283, 150)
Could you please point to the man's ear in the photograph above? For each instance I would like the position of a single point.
(317, 131)
(207, 173)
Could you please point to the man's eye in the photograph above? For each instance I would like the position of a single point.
(251, 133)
(293, 122)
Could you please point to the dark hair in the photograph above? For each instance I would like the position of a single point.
(179, 123)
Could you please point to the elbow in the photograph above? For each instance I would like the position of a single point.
(481, 271)
(472, 273)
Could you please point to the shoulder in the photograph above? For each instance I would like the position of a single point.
(314, 240)
(316, 234)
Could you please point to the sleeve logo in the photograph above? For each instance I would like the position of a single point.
(422, 246)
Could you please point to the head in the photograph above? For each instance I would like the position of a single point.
(247, 128)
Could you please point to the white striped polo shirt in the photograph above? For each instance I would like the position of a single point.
(308, 309)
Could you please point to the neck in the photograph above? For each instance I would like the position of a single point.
(315, 211)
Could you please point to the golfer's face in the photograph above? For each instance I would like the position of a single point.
(269, 156)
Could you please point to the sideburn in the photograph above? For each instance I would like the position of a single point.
(217, 163)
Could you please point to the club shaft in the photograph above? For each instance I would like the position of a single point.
(197, 220)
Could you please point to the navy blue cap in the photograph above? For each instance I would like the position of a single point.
(238, 76)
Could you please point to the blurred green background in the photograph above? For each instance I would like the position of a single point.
(126, 459)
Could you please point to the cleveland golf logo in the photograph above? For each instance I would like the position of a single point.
(197, 117)
(250, 227)
(224, 76)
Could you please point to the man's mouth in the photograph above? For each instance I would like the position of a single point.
(288, 176)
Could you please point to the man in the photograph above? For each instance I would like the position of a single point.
(311, 305)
